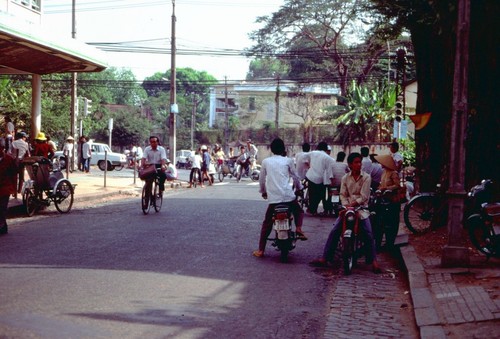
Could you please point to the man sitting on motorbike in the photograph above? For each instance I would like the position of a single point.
(354, 192)
(243, 161)
(274, 182)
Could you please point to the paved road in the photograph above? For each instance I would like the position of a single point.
(107, 270)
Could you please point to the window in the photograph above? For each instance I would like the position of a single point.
(251, 103)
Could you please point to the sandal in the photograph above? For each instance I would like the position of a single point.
(258, 254)
(301, 236)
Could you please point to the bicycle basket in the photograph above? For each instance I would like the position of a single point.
(147, 173)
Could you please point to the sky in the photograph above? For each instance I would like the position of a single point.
(211, 26)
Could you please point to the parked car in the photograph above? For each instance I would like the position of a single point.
(183, 159)
(114, 160)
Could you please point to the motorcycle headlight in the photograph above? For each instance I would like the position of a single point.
(350, 218)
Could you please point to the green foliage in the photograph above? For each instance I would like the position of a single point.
(407, 150)
(366, 116)
(267, 67)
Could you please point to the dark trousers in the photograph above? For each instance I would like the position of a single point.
(192, 174)
(316, 194)
(4, 203)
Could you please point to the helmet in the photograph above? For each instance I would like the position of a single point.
(204, 147)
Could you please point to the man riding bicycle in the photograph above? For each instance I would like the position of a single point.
(155, 155)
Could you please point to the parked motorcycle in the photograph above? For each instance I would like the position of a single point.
(352, 245)
(484, 226)
(285, 239)
(334, 195)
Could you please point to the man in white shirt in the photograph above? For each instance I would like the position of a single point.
(155, 155)
(301, 164)
(319, 173)
(171, 171)
(274, 181)
(366, 163)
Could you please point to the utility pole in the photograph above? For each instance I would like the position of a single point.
(193, 115)
(74, 98)
(173, 105)
(226, 116)
(277, 102)
(454, 254)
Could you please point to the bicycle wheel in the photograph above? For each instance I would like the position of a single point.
(481, 236)
(418, 213)
(157, 198)
(146, 194)
(63, 196)
(30, 202)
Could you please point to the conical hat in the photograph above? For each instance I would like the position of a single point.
(387, 161)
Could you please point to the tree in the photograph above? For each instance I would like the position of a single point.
(320, 39)
(366, 114)
(267, 67)
(189, 82)
(433, 31)
(309, 108)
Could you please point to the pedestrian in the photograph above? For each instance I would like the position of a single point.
(42, 148)
(366, 163)
(301, 158)
(86, 154)
(390, 218)
(398, 158)
(8, 174)
(376, 173)
(20, 149)
(81, 141)
(275, 175)
(205, 156)
(319, 172)
(9, 132)
(195, 167)
(68, 148)
(354, 192)
(170, 171)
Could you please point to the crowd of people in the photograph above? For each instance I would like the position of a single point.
(318, 170)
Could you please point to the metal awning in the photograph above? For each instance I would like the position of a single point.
(28, 49)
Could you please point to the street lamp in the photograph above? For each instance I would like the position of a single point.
(173, 105)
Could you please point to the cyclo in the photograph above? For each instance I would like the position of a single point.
(46, 184)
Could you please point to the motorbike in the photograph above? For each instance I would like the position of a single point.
(334, 194)
(248, 171)
(484, 226)
(380, 205)
(284, 239)
(352, 245)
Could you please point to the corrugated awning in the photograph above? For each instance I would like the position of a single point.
(27, 49)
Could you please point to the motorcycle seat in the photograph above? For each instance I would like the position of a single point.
(493, 209)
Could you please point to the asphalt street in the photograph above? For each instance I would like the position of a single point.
(105, 270)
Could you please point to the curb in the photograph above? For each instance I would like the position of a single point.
(426, 315)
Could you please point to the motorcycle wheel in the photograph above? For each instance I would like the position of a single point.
(347, 255)
(481, 237)
(284, 247)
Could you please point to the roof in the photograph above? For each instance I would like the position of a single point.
(29, 49)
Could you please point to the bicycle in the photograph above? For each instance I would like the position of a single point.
(426, 210)
(46, 184)
(151, 195)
